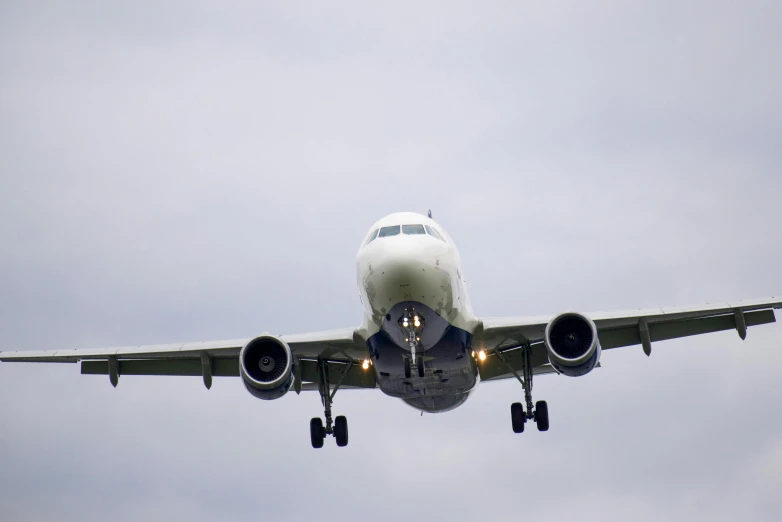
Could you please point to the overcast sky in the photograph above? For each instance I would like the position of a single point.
(177, 171)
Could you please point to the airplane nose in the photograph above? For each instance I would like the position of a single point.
(405, 275)
(403, 267)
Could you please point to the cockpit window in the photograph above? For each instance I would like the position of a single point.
(372, 236)
(413, 229)
(434, 232)
(389, 231)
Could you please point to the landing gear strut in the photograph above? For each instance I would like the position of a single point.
(412, 323)
(337, 427)
(540, 412)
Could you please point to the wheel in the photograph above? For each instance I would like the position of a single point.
(420, 365)
(517, 417)
(541, 415)
(316, 432)
(341, 430)
(407, 367)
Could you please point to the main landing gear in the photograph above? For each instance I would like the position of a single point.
(517, 414)
(339, 426)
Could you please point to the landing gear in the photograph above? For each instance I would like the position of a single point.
(337, 427)
(412, 323)
(317, 433)
(419, 366)
(541, 415)
(341, 431)
(518, 416)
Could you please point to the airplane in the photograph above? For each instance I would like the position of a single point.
(419, 340)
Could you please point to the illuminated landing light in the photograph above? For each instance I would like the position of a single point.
(405, 323)
(474, 354)
(416, 321)
(365, 364)
(482, 355)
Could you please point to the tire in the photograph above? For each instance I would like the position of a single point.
(316, 432)
(517, 417)
(541, 415)
(420, 367)
(341, 431)
(407, 367)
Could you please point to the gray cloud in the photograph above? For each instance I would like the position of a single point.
(192, 171)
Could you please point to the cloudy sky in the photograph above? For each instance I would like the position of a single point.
(199, 170)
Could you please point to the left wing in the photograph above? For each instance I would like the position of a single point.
(341, 348)
(617, 329)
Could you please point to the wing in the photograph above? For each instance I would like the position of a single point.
(341, 348)
(617, 329)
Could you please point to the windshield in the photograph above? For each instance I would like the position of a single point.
(433, 232)
(410, 230)
(389, 231)
(413, 229)
(372, 236)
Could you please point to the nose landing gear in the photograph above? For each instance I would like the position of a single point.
(412, 323)
(418, 365)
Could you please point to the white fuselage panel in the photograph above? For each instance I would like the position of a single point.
(419, 268)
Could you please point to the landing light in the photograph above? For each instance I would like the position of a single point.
(416, 321)
(482, 355)
(365, 364)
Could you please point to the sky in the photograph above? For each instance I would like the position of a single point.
(187, 171)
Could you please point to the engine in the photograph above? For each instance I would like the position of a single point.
(572, 344)
(266, 365)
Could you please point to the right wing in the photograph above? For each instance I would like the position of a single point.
(340, 348)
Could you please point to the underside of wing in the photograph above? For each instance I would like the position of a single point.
(228, 348)
(501, 337)
(341, 350)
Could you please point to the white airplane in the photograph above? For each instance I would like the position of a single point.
(419, 341)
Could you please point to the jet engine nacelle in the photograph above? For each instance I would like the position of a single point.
(572, 344)
(266, 365)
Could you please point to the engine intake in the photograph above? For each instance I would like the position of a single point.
(572, 344)
(266, 365)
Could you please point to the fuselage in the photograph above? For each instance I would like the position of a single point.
(418, 322)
